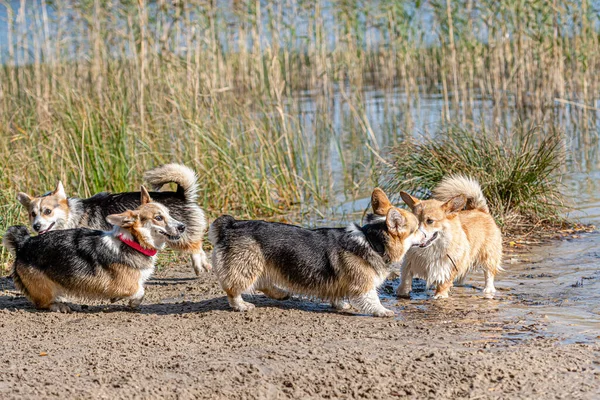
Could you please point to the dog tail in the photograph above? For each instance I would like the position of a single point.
(216, 232)
(184, 177)
(14, 238)
(456, 185)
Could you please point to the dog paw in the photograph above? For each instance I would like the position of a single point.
(489, 290)
(244, 307)
(438, 296)
(403, 295)
(61, 308)
(135, 303)
(384, 312)
(340, 305)
(202, 269)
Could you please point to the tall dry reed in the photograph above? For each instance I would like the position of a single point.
(268, 100)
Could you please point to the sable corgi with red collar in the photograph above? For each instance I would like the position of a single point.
(54, 210)
(461, 235)
(92, 264)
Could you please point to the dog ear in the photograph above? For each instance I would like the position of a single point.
(145, 199)
(380, 202)
(454, 204)
(124, 220)
(60, 191)
(24, 199)
(410, 201)
(395, 220)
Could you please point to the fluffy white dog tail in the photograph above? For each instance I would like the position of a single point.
(455, 185)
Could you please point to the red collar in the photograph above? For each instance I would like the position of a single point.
(137, 246)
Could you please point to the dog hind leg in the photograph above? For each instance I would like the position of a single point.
(489, 288)
(40, 289)
(234, 298)
(240, 270)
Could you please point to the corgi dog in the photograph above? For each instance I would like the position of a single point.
(54, 210)
(92, 264)
(334, 264)
(460, 235)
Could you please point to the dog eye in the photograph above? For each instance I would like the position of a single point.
(33, 214)
(429, 221)
(47, 211)
(158, 218)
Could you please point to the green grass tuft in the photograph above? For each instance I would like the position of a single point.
(519, 172)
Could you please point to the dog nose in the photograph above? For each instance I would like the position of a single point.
(181, 228)
(37, 226)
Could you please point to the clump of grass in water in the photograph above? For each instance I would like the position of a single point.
(519, 173)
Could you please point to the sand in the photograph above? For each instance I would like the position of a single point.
(184, 342)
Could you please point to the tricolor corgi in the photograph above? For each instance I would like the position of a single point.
(92, 264)
(335, 264)
(54, 211)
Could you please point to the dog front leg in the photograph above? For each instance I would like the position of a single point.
(406, 278)
(200, 262)
(274, 292)
(369, 303)
(442, 290)
(340, 304)
(136, 299)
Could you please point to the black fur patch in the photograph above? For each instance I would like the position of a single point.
(307, 257)
(99, 206)
(66, 256)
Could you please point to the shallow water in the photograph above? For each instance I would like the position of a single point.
(556, 285)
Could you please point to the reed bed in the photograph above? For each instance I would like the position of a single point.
(268, 100)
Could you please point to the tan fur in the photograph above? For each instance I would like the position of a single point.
(36, 286)
(118, 281)
(189, 247)
(45, 207)
(115, 282)
(468, 238)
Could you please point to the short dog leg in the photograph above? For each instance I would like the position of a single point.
(275, 293)
(489, 288)
(136, 299)
(369, 303)
(200, 262)
(441, 292)
(340, 304)
(405, 283)
(238, 304)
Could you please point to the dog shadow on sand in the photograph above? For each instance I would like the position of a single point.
(12, 300)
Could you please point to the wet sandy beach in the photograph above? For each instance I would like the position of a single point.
(537, 338)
